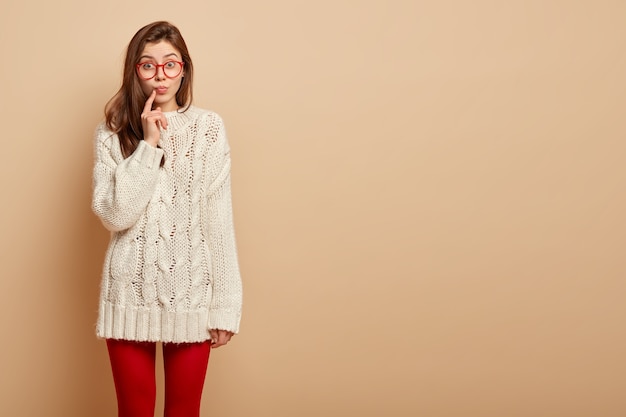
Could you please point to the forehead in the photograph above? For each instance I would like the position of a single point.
(160, 49)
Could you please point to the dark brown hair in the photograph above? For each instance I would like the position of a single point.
(123, 111)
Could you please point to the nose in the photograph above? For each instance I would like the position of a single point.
(160, 73)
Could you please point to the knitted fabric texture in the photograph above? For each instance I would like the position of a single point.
(171, 271)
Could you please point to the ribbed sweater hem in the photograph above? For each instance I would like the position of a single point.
(152, 324)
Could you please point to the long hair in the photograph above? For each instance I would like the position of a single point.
(123, 111)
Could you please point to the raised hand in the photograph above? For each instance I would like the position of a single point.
(152, 121)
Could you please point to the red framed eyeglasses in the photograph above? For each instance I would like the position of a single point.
(148, 70)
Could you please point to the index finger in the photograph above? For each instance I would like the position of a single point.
(149, 101)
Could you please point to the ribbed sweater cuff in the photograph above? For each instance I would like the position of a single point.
(224, 320)
(148, 155)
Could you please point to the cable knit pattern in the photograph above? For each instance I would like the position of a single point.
(171, 271)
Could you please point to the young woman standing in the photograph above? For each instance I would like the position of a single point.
(161, 185)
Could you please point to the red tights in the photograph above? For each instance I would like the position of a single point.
(133, 365)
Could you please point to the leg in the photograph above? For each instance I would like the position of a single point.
(132, 364)
(185, 370)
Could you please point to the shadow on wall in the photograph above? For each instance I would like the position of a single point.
(88, 384)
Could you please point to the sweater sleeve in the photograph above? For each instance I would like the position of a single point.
(226, 303)
(122, 188)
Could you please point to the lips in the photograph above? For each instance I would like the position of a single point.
(161, 90)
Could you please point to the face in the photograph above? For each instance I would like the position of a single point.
(154, 56)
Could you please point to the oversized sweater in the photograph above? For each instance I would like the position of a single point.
(171, 271)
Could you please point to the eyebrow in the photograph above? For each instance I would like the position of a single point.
(166, 56)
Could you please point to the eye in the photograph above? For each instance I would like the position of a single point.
(147, 66)
(170, 64)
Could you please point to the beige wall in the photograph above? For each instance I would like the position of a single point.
(429, 201)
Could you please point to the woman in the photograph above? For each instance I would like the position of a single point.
(162, 187)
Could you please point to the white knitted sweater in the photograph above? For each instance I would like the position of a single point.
(170, 272)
